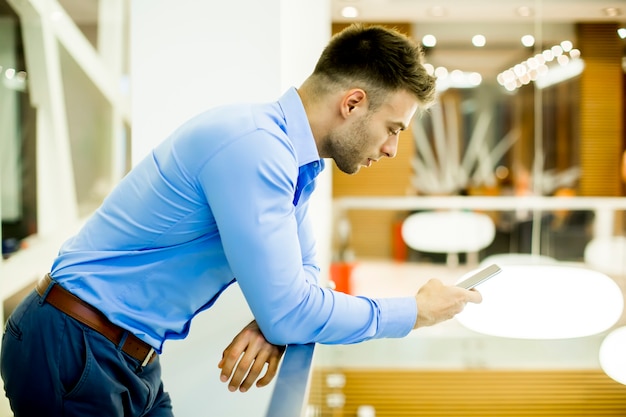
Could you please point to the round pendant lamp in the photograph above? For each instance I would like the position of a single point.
(613, 355)
(544, 302)
(517, 259)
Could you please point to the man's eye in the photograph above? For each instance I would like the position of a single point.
(394, 132)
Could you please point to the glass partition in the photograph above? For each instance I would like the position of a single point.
(529, 131)
(450, 367)
(17, 140)
(64, 116)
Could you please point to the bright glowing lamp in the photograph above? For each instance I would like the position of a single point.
(613, 355)
(450, 232)
(607, 254)
(544, 302)
(517, 259)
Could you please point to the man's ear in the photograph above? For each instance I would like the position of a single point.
(353, 99)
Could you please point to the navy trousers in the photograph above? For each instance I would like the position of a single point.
(55, 366)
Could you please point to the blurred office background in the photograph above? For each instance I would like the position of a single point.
(527, 134)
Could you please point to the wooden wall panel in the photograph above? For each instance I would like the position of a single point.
(480, 393)
(601, 102)
(373, 232)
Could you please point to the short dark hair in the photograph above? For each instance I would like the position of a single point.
(378, 59)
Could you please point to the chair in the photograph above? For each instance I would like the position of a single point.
(449, 232)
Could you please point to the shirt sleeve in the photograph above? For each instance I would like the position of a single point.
(306, 239)
(249, 185)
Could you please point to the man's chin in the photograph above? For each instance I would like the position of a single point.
(351, 170)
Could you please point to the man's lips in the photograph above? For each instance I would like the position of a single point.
(370, 161)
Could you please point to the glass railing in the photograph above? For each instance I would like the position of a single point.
(451, 369)
(290, 395)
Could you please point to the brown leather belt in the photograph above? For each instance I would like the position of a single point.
(76, 308)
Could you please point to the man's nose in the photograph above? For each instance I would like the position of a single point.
(390, 148)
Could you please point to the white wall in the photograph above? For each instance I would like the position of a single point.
(187, 60)
(186, 56)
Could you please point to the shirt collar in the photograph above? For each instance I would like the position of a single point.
(298, 128)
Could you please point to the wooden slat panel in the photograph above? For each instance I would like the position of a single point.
(372, 232)
(601, 102)
(400, 393)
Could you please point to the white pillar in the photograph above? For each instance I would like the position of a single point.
(187, 56)
(112, 49)
(56, 196)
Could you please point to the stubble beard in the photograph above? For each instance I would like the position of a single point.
(346, 147)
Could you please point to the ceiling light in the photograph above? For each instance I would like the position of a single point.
(612, 358)
(536, 68)
(456, 75)
(621, 32)
(548, 55)
(350, 12)
(528, 40)
(524, 11)
(441, 72)
(566, 46)
(520, 69)
(437, 11)
(555, 293)
(474, 78)
(612, 11)
(533, 63)
(429, 40)
(456, 79)
(430, 69)
(13, 79)
(479, 41)
(556, 50)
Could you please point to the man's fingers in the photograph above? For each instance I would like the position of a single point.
(230, 358)
(475, 296)
(241, 370)
(251, 366)
(272, 367)
(254, 353)
(245, 358)
(254, 372)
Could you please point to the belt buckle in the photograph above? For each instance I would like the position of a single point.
(148, 357)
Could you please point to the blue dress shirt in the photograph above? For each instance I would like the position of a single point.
(224, 198)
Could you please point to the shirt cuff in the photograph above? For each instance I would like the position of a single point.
(397, 316)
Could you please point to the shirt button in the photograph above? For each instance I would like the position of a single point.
(315, 164)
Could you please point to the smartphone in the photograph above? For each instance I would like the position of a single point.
(479, 277)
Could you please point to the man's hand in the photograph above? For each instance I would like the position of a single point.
(256, 352)
(437, 302)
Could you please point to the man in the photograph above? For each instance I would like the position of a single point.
(223, 199)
